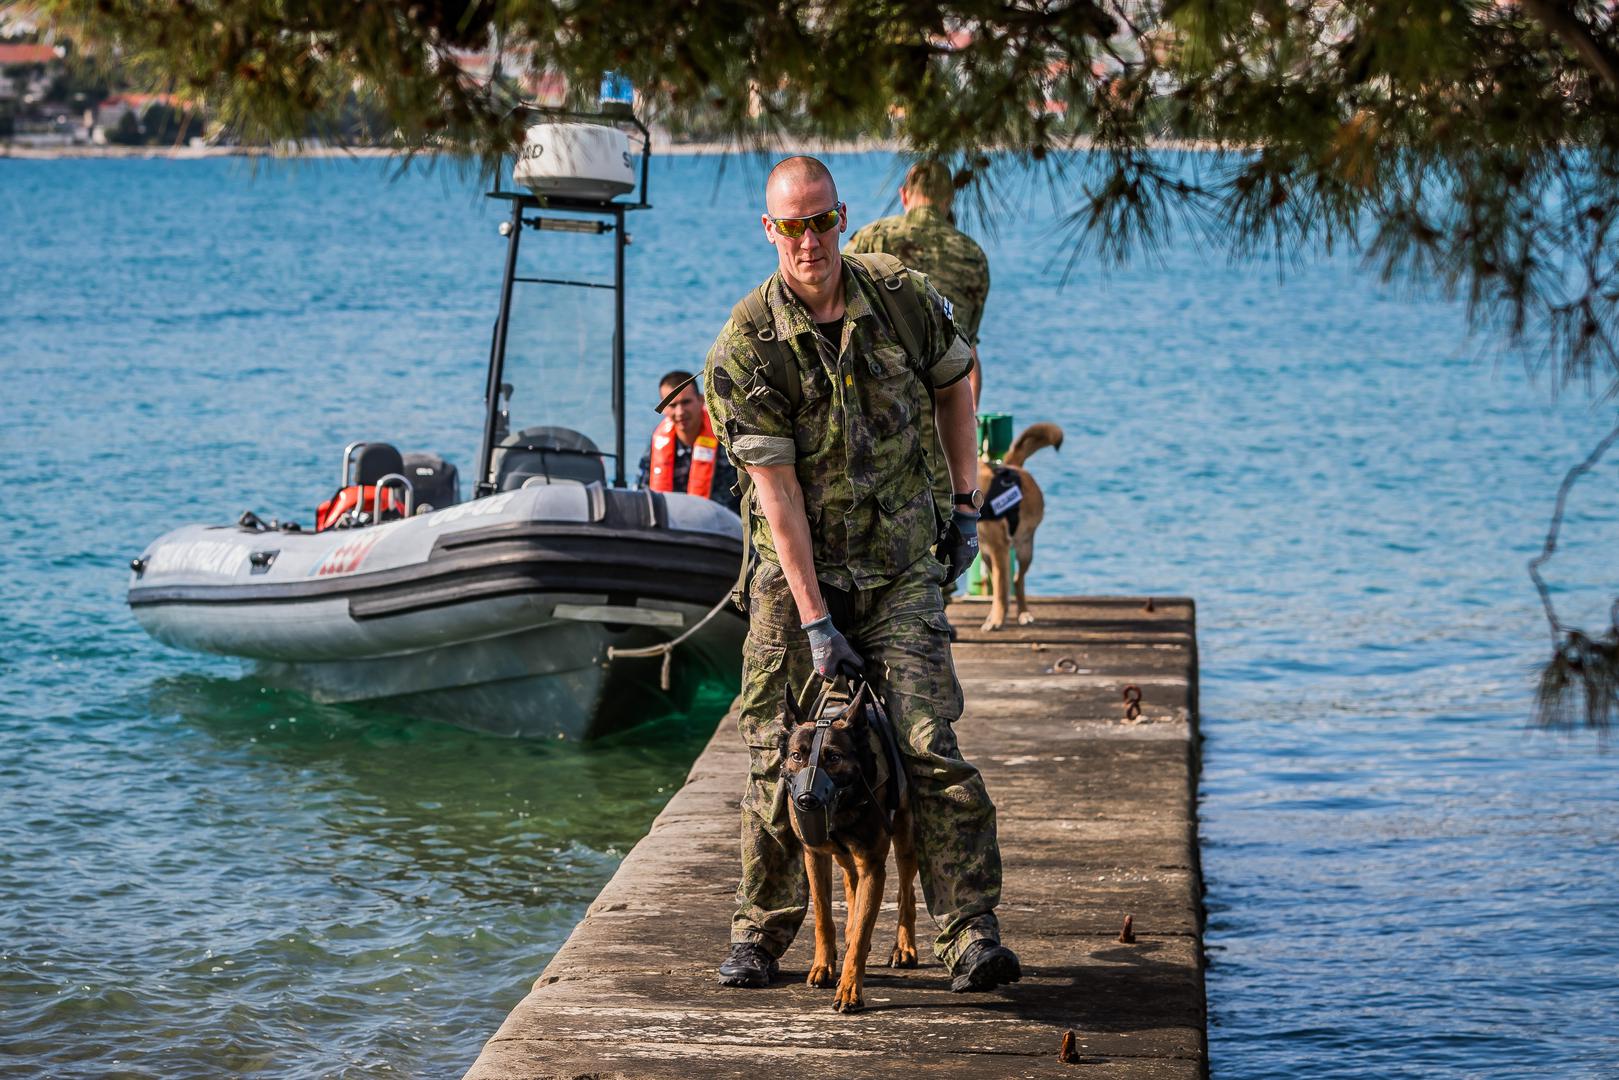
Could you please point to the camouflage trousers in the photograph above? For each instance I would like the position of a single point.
(900, 631)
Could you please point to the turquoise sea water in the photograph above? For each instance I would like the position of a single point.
(200, 876)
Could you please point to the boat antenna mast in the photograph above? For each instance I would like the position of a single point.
(585, 214)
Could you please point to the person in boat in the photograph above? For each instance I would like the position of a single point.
(817, 386)
(685, 455)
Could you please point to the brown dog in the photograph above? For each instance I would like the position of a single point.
(996, 536)
(856, 833)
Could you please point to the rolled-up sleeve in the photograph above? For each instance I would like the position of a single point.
(949, 357)
(750, 417)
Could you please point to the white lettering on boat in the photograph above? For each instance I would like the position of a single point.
(492, 504)
(198, 557)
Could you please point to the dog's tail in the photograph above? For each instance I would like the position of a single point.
(1034, 437)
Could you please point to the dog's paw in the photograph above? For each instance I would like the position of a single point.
(902, 956)
(848, 999)
(1025, 618)
(992, 623)
(822, 975)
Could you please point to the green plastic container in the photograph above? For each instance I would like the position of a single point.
(994, 440)
(994, 435)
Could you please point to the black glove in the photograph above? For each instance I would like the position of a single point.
(960, 545)
(831, 650)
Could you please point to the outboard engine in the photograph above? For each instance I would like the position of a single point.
(436, 482)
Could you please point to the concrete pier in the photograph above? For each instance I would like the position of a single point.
(1097, 818)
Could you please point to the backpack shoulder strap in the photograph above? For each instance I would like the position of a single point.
(752, 317)
(900, 304)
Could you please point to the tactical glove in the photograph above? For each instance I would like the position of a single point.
(831, 650)
(960, 546)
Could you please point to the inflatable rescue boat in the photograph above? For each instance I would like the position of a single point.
(510, 612)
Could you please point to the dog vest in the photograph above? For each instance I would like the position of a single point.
(700, 477)
(1003, 499)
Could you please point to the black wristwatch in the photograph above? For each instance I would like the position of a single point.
(973, 498)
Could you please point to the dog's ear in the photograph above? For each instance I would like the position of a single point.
(792, 715)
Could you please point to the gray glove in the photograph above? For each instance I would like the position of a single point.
(831, 650)
(960, 546)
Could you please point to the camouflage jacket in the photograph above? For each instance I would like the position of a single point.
(856, 439)
(922, 239)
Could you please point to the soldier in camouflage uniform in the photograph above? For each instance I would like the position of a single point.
(924, 239)
(844, 525)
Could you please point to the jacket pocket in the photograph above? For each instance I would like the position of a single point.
(814, 408)
(892, 390)
(903, 489)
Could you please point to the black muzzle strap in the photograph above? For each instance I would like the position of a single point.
(813, 793)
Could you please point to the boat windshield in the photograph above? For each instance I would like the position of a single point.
(559, 342)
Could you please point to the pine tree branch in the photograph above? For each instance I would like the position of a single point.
(1550, 547)
(1574, 33)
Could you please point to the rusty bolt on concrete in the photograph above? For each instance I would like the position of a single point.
(1127, 936)
(1068, 1054)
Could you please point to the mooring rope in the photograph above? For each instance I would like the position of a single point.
(666, 650)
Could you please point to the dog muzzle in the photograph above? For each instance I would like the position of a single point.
(812, 797)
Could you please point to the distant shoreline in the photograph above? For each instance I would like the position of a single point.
(660, 148)
(198, 153)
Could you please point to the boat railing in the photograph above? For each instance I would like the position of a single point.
(404, 485)
(348, 462)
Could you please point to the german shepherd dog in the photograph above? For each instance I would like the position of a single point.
(1001, 534)
(861, 807)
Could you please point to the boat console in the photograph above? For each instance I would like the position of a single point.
(547, 455)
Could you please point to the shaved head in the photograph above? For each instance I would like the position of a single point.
(796, 177)
(800, 188)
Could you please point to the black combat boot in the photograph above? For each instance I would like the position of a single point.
(749, 965)
(984, 966)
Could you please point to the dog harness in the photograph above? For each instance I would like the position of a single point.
(815, 799)
(1004, 498)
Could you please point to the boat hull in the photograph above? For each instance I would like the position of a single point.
(498, 617)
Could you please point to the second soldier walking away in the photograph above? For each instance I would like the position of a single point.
(817, 386)
(925, 238)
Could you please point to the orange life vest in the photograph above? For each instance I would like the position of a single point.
(356, 497)
(700, 477)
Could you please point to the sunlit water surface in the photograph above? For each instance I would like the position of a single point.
(200, 876)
